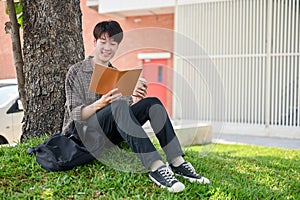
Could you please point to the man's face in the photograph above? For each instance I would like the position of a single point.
(106, 48)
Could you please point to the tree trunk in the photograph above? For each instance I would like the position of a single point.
(52, 42)
(12, 27)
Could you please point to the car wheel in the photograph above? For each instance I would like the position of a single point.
(3, 140)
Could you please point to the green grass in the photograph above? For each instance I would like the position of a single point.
(235, 171)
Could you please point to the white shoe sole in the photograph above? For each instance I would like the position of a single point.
(177, 187)
(203, 180)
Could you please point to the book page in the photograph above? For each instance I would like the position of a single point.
(127, 81)
(105, 79)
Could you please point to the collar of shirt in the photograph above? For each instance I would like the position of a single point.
(89, 67)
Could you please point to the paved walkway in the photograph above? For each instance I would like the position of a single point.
(255, 140)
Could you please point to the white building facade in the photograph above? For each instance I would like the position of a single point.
(242, 59)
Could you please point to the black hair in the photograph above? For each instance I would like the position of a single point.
(112, 28)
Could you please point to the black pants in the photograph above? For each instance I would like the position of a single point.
(120, 122)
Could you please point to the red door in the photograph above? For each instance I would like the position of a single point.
(156, 72)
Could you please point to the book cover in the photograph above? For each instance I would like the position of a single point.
(105, 79)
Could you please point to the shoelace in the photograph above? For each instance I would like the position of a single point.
(167, 174)
(189, 167)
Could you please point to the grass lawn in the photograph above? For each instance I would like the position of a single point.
(235, 171)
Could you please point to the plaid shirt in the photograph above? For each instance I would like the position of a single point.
(77, 85)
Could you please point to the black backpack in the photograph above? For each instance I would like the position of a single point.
(61, 152)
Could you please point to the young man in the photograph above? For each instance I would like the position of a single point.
(112, 118)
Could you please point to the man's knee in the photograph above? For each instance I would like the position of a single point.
(120, 104)
(153, 100)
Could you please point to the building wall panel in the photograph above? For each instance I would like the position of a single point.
(246, 58)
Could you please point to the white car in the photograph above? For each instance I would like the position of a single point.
(11, 112)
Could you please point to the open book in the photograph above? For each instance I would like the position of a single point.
(105, 79)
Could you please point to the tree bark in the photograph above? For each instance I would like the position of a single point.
(52, 42)
(13, 28)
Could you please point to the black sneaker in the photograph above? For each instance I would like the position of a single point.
(164, 178)
(186, 170)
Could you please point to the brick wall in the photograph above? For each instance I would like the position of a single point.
(90, 17)
(7, 68)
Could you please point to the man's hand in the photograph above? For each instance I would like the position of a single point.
(140, 91)
(107, 98)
